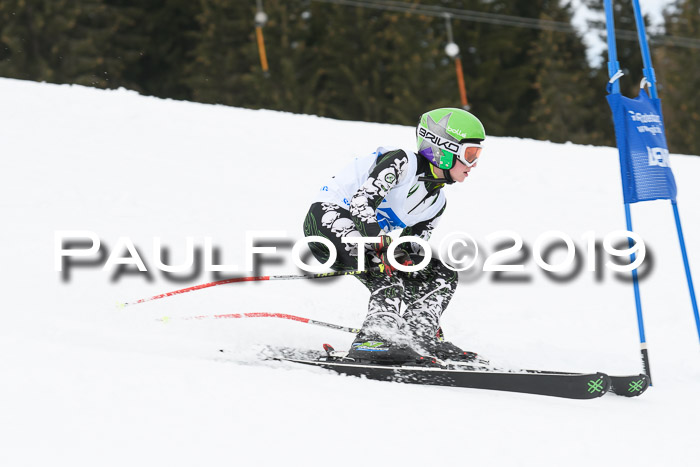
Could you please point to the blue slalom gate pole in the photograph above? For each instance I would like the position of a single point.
(651, 78)
(638, 302)
(613, 69)
(613, 64)
(684, 253)
(644, 45)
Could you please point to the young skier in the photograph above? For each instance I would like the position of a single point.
(399, 189)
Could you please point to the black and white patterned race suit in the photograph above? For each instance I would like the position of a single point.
(425, 294)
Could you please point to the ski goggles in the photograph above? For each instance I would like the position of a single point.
(467, 152)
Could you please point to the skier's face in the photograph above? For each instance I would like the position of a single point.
(460, 171)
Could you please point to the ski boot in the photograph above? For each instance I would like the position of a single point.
(383, 339)
(436, 346)
(376, 348)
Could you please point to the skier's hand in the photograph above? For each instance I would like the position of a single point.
(401, 256)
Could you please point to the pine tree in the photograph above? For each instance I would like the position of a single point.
(678, 73)
(222, 65)
(330, 60)
(49, 40)
(480, 61)
(163, 34)
(499, 68)
(564, 84)
(381, 66)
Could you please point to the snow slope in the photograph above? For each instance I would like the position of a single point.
(84, 383)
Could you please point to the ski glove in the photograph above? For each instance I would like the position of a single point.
(401, 256)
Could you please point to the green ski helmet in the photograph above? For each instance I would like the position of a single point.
(441, 132)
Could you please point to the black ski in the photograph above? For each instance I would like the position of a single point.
(629, 386)
(567, 385)
(626, 386)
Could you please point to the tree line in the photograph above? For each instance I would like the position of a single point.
(355, 63)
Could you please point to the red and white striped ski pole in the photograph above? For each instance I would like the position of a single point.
(166, 319)
(338, 327)
(242, 279)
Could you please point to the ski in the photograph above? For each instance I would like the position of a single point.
(626, 386)
(629, 386)
(432, 372)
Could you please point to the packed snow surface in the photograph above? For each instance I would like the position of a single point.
(85, 383)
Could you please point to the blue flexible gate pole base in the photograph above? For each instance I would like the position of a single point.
(638, 302)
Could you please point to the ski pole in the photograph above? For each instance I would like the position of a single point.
(242, 279)
(166, 319)
(338, 327)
